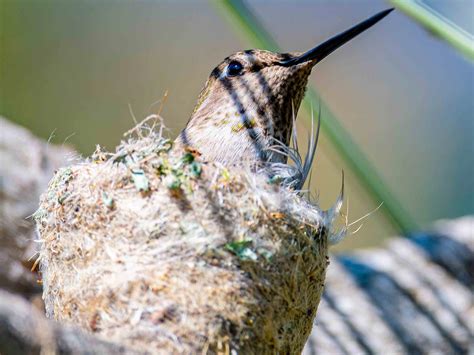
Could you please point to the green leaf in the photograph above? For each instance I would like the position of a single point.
(242, 249)
(107, 200)
(275, 179)
(140, 180)
(187, 158)
(63, 198)
(122, 158)
(173, 183)
(195, 169)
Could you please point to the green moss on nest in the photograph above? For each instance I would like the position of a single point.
(184, 257)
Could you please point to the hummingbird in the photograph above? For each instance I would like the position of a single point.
(250, 100)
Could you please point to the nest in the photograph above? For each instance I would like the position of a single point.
(161, 251)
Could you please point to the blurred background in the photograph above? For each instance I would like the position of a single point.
(71, 71)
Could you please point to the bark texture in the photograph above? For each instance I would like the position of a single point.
(414, 296)
(24, 330)
(26, 165)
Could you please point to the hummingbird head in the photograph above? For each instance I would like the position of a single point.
(251, 97)
(253, 89)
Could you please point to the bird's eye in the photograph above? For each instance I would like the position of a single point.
(234, 68)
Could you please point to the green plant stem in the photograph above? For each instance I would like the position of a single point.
(246, 23)
(457, 37)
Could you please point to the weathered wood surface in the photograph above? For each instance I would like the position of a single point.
(26, 165)
(25, 330)
(411, 297)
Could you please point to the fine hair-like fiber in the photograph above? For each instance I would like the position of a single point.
(160, 251)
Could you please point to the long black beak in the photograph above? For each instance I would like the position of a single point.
(323, 50)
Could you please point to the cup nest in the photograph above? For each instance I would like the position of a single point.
(161, 251)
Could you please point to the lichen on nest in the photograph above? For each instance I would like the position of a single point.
(161, 251)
